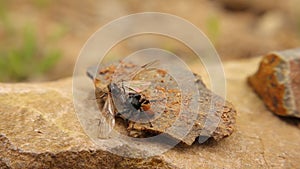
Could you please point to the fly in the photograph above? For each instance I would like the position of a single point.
(124, 100)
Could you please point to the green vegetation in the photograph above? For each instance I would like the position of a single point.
(21, 55)
(20, 63)
(213, 28)
(41, 3)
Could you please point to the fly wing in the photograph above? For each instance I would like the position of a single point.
(93, 72)
(142, 68)
(107, 119)
(135, 86)
(138, 85)
(158, 102)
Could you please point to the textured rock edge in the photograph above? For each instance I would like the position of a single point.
(272, 82)
(71, 159)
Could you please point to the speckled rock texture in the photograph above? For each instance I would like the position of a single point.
(211, 107)
(39, 129)
(277, 82)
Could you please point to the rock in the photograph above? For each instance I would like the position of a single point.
(39, 129)
(277, 82)
(255, 5)
(235, 4)
(269, 24)
(165, 88)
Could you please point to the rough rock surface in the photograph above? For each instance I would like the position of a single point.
(164, 87)
(39, 129)
(277, 82)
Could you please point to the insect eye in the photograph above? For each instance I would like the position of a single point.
(113, 88)
(138, 97)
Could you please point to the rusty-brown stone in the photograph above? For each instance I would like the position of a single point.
(223, 112)
(277, 82)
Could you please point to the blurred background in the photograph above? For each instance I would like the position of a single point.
(41, 39)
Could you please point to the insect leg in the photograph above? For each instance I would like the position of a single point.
(148, 118)
(126, 115)
(123, 86)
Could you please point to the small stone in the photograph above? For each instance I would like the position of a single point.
(277, 82)
(254, 5)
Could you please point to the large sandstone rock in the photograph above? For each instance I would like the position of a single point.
(39, 129)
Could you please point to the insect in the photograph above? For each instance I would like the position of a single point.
(123, 99)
